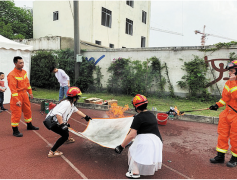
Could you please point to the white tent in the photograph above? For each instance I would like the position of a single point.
(9, 49)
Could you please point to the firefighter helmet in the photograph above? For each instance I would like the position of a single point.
(139, 100)
(232, 64)
(74, 91)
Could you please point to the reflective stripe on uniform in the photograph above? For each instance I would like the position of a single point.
(222, 102)
(14, 124)
(18, 78)
(227, 88)
(28, 120)
(221, 150)
(29, 87)
(233, 89)
(25, 76)
(235, 155)
(15, 94)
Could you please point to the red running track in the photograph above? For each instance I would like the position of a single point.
(188, 146)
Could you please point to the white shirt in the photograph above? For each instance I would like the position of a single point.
(62, 77)
(64, 109)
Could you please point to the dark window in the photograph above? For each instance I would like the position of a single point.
(111, 45)
(129, 26)
(130, 3)
(106, 17)
(144, 17)
(55, 15)
(123, 47)
(143, 41)
(98, 42)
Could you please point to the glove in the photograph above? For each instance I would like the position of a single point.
(87, 118)
(68, 125)
(214, 107)
(63, 126)
(119, 149)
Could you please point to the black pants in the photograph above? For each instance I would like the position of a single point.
(64, 137)
(1, 100)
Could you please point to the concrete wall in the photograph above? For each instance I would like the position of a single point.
(56, 43)
(45, 43)
(170, 55)
(90, 21)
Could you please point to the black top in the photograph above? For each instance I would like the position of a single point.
(145, 122)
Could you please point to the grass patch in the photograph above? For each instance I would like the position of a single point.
(162, 104)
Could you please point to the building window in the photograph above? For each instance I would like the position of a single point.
(123, 47)
(144, 17)
(98, 42)
(130, 3)
(55, 15)
(143, 41)
(129, 26)
(106, 17)
(111, 45)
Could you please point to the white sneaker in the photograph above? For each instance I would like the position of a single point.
(131, 175)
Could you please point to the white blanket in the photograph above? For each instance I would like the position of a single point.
(106, 132)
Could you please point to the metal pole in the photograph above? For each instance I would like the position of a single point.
(76, 37)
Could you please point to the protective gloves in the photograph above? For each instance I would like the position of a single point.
(63, 126)
(119, 149)
(87, 118)
(214, 107)
(68, 125)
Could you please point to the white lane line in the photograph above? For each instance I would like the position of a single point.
(62, 156)
(176, 171)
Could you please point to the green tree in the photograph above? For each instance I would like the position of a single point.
(15, 22)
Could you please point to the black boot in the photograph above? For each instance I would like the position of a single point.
(232, 162)
(31, 127)
(220, 158)
(16, 132)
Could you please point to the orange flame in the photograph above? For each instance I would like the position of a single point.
(177, 111)
(116, 111)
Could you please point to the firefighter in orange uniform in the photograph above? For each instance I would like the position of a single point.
(227, 126)
(19, 85)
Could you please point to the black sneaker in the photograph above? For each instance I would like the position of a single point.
(3, 109)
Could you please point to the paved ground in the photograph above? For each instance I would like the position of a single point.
(187, 149)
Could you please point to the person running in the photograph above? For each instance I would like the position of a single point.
(145, 154)
(64, 81)
(227, 126)
(19, 85)
(63, 112)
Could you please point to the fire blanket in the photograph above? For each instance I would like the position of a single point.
(106, 132)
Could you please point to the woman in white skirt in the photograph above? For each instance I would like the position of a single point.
(145, 154)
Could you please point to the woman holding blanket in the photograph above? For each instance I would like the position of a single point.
(63, 111)
(145, 154)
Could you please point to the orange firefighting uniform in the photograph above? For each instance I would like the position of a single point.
(19, 85)
(227, 126)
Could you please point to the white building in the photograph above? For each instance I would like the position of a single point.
(114, 24)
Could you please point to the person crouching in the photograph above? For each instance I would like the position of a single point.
(63, 112)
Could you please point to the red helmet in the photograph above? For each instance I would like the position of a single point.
(139, 100)
(232, 64)
(74, 91)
